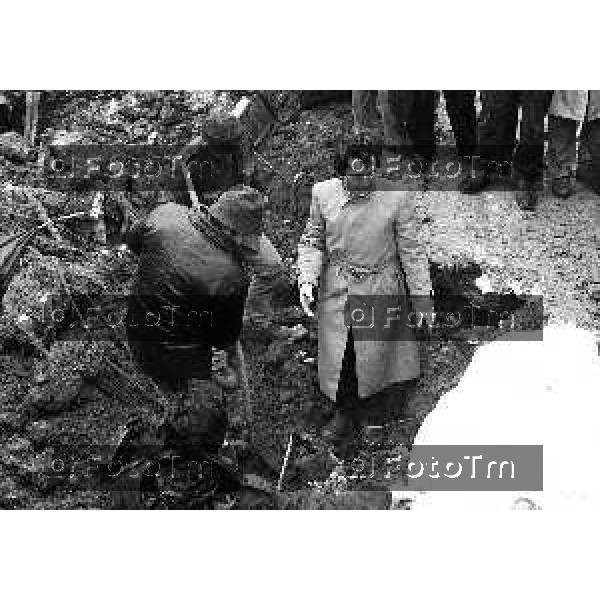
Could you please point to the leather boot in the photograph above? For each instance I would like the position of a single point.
(562, 186)
(475, 183)
(340, 426)
(343, 432)
(527, 196)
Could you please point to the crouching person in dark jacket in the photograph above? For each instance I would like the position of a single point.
(189, 296)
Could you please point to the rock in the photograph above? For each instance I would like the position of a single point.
(14, 147)
(276, 352)
(290, 367)
(291, 333)
(18, 453)
(286, 396)
(313, 467)
(39, 431)
(65, 372)
(65, 138)
(11, 421)
(37, 293)
(12, 493)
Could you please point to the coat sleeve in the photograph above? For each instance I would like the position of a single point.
(312, 244)
(269, 275)
(411, 252)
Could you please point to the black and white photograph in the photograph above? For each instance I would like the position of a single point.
(269, 299)
(224, 308)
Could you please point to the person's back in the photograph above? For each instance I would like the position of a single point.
(187, 297)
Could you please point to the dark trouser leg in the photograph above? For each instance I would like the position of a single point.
(460, 105)
(497, 128)
(529, 157)
(496, 133)
(4, 118)
(562, 135)
(422, 124)
(590, 137)
(341, 429)
(395, 108)
(364, 109)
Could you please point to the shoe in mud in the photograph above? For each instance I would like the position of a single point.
(476, 183)
(338, 428)
(344, 434)
(562, 187)
(527, 198)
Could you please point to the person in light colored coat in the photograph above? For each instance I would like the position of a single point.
(362, 241)
(570, 108)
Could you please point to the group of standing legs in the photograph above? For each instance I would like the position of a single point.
(488, 146)
(409, 118)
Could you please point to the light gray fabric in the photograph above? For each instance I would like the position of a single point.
(378, 232)
(576, 104)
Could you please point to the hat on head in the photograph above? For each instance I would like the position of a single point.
(217, 130)
(223, 129)
(241, 209)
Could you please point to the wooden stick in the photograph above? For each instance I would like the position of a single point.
(63, 218)
(285, 462)
(28, 101)
(192, 192)
(244, 380)
(35, 115)
(32, 101)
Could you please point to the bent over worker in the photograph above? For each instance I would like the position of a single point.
(191, 286)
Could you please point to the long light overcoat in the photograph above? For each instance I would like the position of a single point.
(363, 247)
(576, 104)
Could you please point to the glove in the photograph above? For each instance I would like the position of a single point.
(306, 298)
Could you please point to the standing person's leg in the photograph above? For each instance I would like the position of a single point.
(364, 109)
(529, 156)
(460, 105)
(4, 114)
(343, 424)
(497, 129)
(584, 157)
(395, 108)
(422, 124)
(562, 154)
(591, 134)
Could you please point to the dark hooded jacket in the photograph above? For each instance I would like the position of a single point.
(188, 295)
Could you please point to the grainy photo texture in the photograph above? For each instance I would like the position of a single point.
(244, 299)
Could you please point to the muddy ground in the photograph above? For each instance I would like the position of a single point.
(61, 405)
